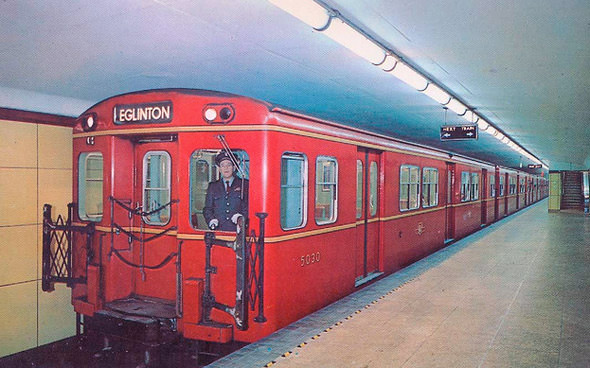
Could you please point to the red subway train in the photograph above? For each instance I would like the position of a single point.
(329, 209)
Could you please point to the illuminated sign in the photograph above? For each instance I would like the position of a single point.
(535, 166)
(458, 132)
(144, 113)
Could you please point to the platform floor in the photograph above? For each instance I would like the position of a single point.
(516, 294)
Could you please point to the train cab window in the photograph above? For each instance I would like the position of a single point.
(465, 186)
(293, 190)
(409, 187)
(202, 171)
(501, 185)
(359, 189)
(156, 187)
(492, 186)
(326, 189)
(90, 185)
(474, 186)
(373, 183)
(429, 187)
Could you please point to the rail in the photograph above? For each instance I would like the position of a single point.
(58, 255)
(249, 274)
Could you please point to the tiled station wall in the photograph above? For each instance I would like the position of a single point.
(35, 168)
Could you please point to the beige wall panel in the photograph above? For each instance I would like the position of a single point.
(18, 252)
(55, 188)
(18, 318)
(18, 144)
(57, 319)
(18, 196)
(55, 147)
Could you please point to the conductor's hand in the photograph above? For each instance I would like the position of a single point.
(235, 218)
(213, 224)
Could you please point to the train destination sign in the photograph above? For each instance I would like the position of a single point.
(458, 132)
(535, 166)
(144, 113)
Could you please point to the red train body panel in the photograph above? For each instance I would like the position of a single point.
(367, 205)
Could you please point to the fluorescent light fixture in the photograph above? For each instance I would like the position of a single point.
(356, 42)
(308, 11)
(437, 94)
(457, 107)
(505, 139)
(409, 76)
(482, 124)
(499, 136)
(470, 116)
(389, 63)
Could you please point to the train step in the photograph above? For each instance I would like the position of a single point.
(147, 320)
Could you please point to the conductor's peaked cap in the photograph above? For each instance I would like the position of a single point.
(222, 156)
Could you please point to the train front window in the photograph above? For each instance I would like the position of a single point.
(156, 187)
(203, 171)
(293, 190)
(326, 190)
(90, 184)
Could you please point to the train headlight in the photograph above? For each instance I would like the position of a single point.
(218, 113)
(89, 122)
(210, 114)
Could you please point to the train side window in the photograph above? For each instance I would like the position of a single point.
(326, 190)
(429, 187)
(512, 181)
(409, 187)
(359, 189)
(293, 190)
(501, 185)
(465, 186)
(202, 171)
(492, 186)
(474, 186)
(156, 187)
(90, 185)
(373, 183)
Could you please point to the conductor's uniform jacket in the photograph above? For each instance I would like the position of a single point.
(222, 205)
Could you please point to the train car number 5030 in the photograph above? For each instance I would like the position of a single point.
(308, 259)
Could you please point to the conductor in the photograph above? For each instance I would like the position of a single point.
(227, 198)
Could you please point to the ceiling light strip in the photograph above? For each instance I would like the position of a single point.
(329, 22)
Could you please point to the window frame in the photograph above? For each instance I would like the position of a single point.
(144, 188)
(424, 183)
(474, 182)
(323, 186)
(409, 184)
(373, 189)
(304, 185)
(465, 186)
(83, 186)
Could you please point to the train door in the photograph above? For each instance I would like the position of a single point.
(449, 209)
(367, 215)
(154, 192)
(484, 196)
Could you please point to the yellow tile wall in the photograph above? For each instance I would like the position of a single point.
(35, 168)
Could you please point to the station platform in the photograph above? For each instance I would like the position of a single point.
(515, 294)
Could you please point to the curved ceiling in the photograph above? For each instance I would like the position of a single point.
(523, 65)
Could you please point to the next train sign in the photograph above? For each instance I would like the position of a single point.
(458, 132)
(143, 113)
